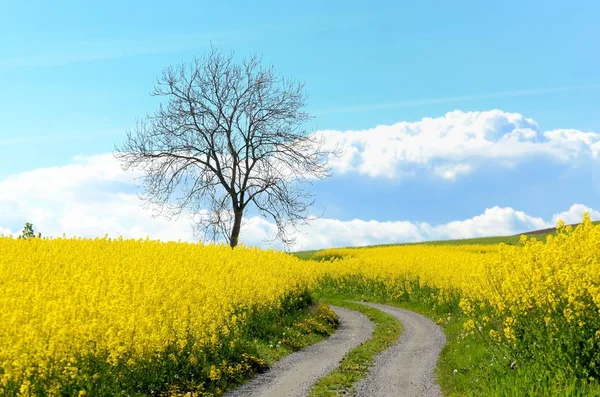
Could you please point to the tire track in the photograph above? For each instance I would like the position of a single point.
(407, 367)
(294, 375)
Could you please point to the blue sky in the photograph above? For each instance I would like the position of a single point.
(75, 75)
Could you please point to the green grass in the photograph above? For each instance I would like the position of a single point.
(462, 367)
(468, 365)
(273, 338)
(292, 332)
(357, 362)
(305, 254)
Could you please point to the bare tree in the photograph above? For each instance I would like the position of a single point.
(229, 140)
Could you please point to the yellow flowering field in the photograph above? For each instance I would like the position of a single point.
(78, 313)
(75, 309)
(398, 270)
(538, 301)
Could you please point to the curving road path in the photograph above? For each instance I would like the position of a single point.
(407, 367)
(294, 375)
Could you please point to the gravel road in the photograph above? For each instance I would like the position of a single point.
(407, 367)
(295, 374)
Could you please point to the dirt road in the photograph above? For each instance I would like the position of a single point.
(407, 367)
(294, 375)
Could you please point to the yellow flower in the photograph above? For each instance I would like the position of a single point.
(215, 374)
(469, 326)
(134, 300)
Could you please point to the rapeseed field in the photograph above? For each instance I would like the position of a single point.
(535, 306)
(81, 315)
(75, 312)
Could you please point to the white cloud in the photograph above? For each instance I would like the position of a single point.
(93, 197)
(324, 232)
(451, 171)
(495, 221)
(456, 143)
(575, 214)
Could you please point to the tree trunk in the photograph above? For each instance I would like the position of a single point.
(235, 230)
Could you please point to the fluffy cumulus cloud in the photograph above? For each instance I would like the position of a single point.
(92, 197)
(575, 214)
(456, 144)
(495, 221)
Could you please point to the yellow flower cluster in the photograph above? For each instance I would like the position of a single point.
(63, 300)
(129, 301)
(513, 280)
(538, 296)
(450, 271)
(550, 289)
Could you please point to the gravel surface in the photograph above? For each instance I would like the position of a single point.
(295, 374)
(407, 367)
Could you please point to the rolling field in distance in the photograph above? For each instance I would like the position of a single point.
(105, 316)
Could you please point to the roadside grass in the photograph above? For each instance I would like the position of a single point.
(468, 365)
(306, 255)
(280, 336)
(462, 365)
(268, 338)
(534, 381)
(275, 337)
(355, 365)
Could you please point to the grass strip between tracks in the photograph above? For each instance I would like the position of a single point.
(357, 362)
